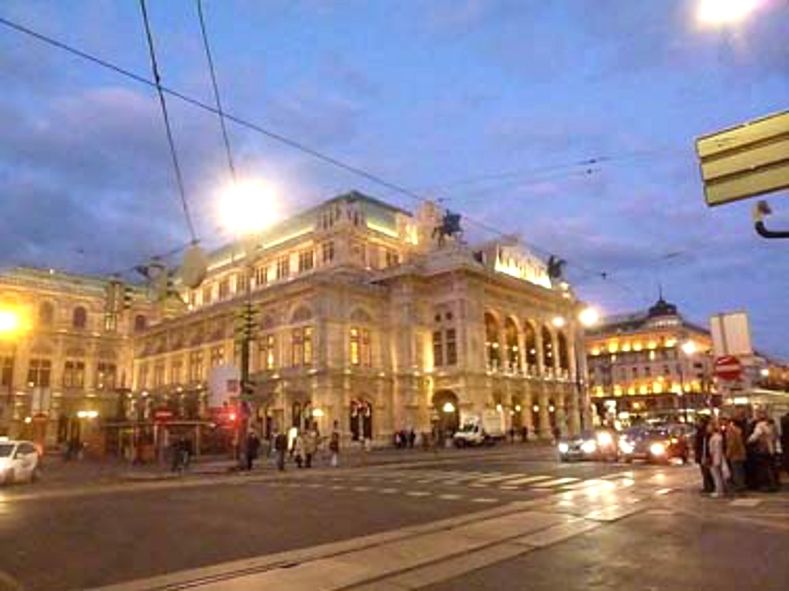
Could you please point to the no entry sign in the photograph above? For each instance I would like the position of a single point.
(728, 368)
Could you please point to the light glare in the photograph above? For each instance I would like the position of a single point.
(247, 207)
(722, 12)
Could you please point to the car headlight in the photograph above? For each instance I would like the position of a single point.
(625, 446)
(589, 447)
(604, 439)
(563, 448)
(657, 449)
(5, 463)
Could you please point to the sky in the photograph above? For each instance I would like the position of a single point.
(567, 123)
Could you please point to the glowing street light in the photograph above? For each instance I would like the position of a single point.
(724, 12)
(689, 348)
(448, 407)
(10, 323)
(247, 207)
(589, 317)
(558, 321)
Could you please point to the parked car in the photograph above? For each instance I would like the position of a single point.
(597, 444)
(19, 461)
(659, 445)
(484, 429)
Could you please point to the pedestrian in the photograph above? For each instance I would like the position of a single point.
(281, 448)
(411, 438)
(512, 434)
(702, 456)
(557, 434)
(785, 441)
(735, 454)
(334, 445)
(397, 442)
(253, 448)
(524, 433)
(298, 450)
(718, 467)
(310, 445)
(178, 450)
(764, 439)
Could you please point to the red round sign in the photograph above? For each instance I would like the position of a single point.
(728, 368)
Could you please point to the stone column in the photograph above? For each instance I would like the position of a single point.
(559, 401)
(545, 418)
(521, 352)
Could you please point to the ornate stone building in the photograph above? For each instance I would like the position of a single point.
(367, 317)
(652, 364)
(65, 356)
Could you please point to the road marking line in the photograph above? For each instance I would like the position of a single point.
(498, 478)
(314, 485)
(663, 491)
(361, 488)
(508, 488)
(745, 502)
(529, 479)
(484, 500)
(450, 497)
(338, 487)
(418, 493)
(388, 491)
(557, 482)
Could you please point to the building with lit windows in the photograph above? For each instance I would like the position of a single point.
(65, 356)
(364, 315)
(649, 365)
(367, 318)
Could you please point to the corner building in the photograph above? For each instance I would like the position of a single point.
(366, 317)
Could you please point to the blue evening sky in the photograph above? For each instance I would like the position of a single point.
(493, 106)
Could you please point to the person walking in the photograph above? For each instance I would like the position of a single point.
(764, 440)
(298, 450)
(253, 449)
(735, 454)
(718, 468)
(281, 448)
(411, 438)
(702, 456)
(334, 445)
(310, 446)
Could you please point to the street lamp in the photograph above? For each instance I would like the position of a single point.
(588, 317)
(724, 12)
(13, 324)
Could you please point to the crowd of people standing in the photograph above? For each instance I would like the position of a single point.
(739, 453)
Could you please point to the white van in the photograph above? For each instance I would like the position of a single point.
(19, 461)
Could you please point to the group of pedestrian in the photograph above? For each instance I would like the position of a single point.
(737, 454)
(405, 438)
(303, 446)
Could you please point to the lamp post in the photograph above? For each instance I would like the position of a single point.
(588, 318)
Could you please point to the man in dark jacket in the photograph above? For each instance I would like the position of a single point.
(281, 447)
(701, 451)
(253, 447)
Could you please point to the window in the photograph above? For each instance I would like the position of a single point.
(224, 289)
(217, 355)
(6, 371)
(46, 314)
(297, 347)
(666, 370)
(79, 318)
(451, 347)
(39, 372)
(105, 376)
(140, 323)
(366, 349)
(142, 376)
(354, 351)
(206, 295)
(647, 371)
(195, 366)
(511, 345)
(438, 348)
(158, 374)
(492, 353)
(635, 372)
(243, 282)
(306, 261)
(283, 267)
(307, 345)
(267, 359)
(110, 321)
(392, 258)
(74, 374)
(327, 252)
(176, 371)
(261, 276)
(192, 299)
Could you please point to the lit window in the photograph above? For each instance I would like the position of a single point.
(327, 252)
(355, 359)
(207, 295)
(196, 368)
(438, 348)
(217, 355)
(283, 267)
(261, 276)
(106, 374)
(79, 318)
(267, 352)
(307, 345)
(451, 347)
(74, 374)
(224, 289)
(306, 261)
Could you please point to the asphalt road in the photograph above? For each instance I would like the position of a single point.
(97, 534)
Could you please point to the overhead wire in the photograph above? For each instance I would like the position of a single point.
(217, 110)
(215, 86)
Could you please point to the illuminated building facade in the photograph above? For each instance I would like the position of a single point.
(366, 317)
(66, 360)
(651, 364)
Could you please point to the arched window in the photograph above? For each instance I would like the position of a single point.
(492, 353)
(547, 348)
(140, 322)
(79, 318)
(46, 314)
(511, 342)
(564, 358)
(530, 344)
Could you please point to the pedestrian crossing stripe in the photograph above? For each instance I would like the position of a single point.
(528, 479)
(557, 482)
(497, 478)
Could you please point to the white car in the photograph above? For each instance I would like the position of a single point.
(19, 461)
